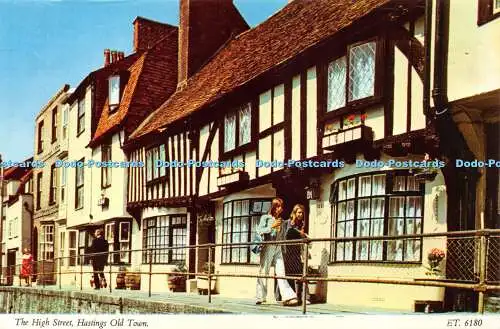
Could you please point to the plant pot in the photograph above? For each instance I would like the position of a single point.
(312, 286)
(133, 281)
(202, 283)
(177, 285)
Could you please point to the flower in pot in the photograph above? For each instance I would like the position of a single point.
(434, 258)
(177, 280)
(120, 277)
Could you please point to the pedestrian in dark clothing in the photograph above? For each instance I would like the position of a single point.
(99, 245)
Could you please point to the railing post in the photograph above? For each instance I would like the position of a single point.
(482, 271)
(81, 272)
(60, 272)
(210, 273)
(305, 256)
(150, 252)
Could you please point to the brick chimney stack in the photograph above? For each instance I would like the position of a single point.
(113, 56)
(148, 32)
(107, 58)
(204, 26)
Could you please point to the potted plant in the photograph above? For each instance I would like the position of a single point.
(177, 280)
(202, 280)
(312, 272)
(434, 258)
(120, 277)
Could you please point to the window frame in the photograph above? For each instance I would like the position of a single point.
(79, 187)
(39, 182)
(114, 106)
(80, 121)
(158, 254)
(64, 179)
(106, 149)
(357, 104)
(53, 185)
(231, 218)
(64, 126)
(487, 11)
(44, 243)
(153, 174)
(62, 247)
(238, 148)
(54, 124)
(388, 194)
(115, 244)
(73, 260)
(40, 137)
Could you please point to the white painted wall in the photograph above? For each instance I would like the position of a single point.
(473, 65)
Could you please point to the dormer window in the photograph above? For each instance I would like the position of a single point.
(237, 131)
(114, 92)
(352, 77)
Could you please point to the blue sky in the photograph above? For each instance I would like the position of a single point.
(47, 43)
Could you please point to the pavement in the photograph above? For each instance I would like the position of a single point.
(220, 304)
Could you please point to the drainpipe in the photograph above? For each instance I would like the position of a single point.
(427, 58)
(452, 142)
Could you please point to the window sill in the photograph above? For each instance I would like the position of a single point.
(103, 187)
(488, 19)
(389, 262)
(357, 105)
(78, 208)
(157, 180)
(79, 133)
(237, 151)
(239, 264)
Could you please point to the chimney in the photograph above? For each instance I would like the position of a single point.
(148, 32)
(113, 56)
(106, 57)
(121, 55)
(204, 26)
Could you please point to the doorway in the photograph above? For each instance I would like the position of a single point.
(11, 265)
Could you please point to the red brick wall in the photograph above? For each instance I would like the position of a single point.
(205, 25)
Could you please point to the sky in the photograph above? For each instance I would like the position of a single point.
(45, 44)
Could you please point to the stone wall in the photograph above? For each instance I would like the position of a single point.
(31, 300)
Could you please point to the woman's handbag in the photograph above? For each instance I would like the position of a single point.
(256, 247)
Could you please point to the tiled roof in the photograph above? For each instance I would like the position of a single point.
(23, 180)
(298, 26)
(152, 79)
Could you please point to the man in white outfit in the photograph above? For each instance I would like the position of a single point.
(271, 229)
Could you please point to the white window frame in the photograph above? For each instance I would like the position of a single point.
(46, 243)
(237, 137)
(124, 242)
(114, 92)
(62, 247)
(74, 260)
(65, 123)
(80, 126)
(64, 176)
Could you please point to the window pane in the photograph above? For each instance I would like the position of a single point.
(362, 71)
(378, 185)
(336, 83)
(364, 208)
(162, 158)
(398, 183)
(229, 132)
(114, 90)
(365, 184)
(245, 119)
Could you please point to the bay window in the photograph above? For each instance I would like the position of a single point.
(377, 204)
(162, 232)
(352, 77)
(237, 127)
(239, 222)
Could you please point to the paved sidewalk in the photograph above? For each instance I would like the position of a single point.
(225, 304)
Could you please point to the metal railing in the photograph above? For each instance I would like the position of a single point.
(472, 261)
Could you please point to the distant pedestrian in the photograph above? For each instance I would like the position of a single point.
(27, 266)
(99, 248)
